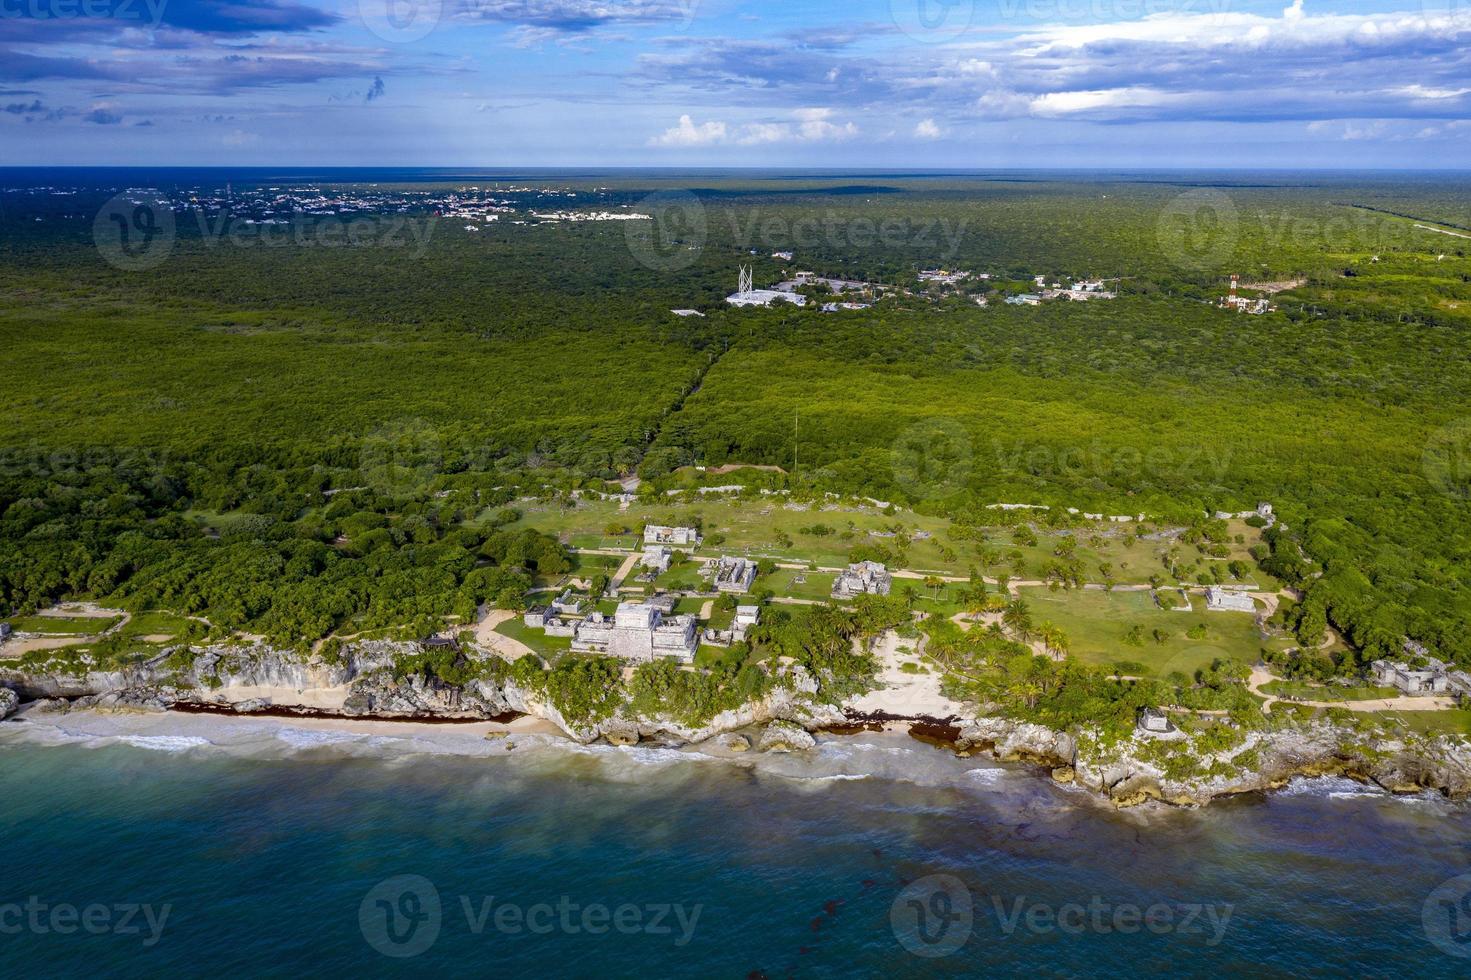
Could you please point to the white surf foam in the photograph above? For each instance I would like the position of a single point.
(162, 743)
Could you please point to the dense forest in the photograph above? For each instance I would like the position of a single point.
(294, 439)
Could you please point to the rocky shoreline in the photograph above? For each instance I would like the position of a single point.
(360, 685)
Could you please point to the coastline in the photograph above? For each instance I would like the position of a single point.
(363, 695)
(925, 752)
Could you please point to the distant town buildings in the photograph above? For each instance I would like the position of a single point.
(864, 578)
(1080, 294)
(679, 537)
(1222, 600)
(688, 313)
(1025, 299)
(943, 276)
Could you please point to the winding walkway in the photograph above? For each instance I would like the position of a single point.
(1260, 677)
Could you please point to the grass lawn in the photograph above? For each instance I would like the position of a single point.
(818, 587)
(1327, 692)
(683, 577)
(759, 527)
(63, 625)
(552, 648)
(1457, 720)
(1096, 623)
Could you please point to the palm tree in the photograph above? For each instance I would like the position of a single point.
(1054, 640)
(1018, 617)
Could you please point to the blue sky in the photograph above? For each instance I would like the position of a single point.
(858, 83)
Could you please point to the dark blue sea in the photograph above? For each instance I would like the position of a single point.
(217, 847)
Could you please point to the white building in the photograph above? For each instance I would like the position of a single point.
(567, 604)
(864, 578)
(656, 559)
(943, 276)
(678, 537)
(1433, 680)
(745, 618)
(1155, 722)
(747, 296)
(641, 632)
(734, 574)
(1221, 600)
(765, 297)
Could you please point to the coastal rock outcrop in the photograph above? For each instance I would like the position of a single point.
(9, 701)
(1012, 741)
(625, 733)
(783, 736)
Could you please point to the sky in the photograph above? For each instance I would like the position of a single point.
(782, 83)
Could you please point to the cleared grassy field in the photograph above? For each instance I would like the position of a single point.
(1097, 623)
(767, 527)
(550, 647)
(1458, 721)
(1323, 692)
(63, 625)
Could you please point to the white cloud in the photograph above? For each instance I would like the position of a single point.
(1424, 92)
(927, 130)
(1064, 103)
(804, 126)
(688, 134)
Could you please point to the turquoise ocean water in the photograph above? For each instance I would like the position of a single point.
(261, 849)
